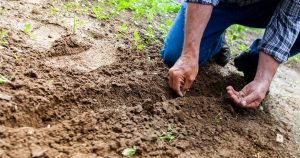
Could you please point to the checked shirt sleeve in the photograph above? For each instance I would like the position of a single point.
(211, 2)
(282, 31)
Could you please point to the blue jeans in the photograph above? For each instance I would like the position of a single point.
(256, 15)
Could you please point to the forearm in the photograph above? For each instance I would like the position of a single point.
(267, 67)
(197, 17)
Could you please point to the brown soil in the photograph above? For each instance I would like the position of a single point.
(92, 95)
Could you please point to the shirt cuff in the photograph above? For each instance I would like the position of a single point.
(208, 2)
(278, 54)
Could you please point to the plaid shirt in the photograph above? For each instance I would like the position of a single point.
(282, 30)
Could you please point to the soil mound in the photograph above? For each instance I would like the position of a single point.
(68, 45)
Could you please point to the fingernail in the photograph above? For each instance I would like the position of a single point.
(180, 94)
(244, 103)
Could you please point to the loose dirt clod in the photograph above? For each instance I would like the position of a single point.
(279, 138)
(4, 96)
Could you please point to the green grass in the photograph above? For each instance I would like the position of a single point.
(144, 13)
(141, 13)
(99, 11)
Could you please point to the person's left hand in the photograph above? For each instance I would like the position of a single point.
(251, 95)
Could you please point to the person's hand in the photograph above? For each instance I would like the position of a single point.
(251, 95)
(183, 73)
(254, 92)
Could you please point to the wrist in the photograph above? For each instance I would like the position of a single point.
(191, 51)
(266, 69)
(190, 56)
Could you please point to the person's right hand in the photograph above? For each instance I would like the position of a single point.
(183, 73)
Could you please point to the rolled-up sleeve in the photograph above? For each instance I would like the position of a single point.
(211, 2)
(282, 30)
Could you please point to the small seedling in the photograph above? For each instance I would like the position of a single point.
(3, 79)
(168, 135)
(54, 11)
(123, 27)
(218, 118)
(3, 35)
(67, 6)
(129, 152)
(136, 37)
(137, 41)
(17, 58)
(28, 30)
(150, 33)
(76, 23)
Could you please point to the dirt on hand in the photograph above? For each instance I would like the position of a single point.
(84, 96)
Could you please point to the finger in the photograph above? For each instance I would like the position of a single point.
(253, 105)
(171, 76)
(176, 84)
(187, 85)
(170, 79)
(234, 98)
(233, 95)
(249, 99)
(230, 88)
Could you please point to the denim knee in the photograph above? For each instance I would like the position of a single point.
(168, 57)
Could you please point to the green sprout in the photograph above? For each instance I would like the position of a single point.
(76, 23)
(168, 135)
(67, 6)
(150, 33)
(3, 35)
(136, 37)
(129, 152)
(218, 118)
(28, 30)
(54, 11)
(17, 58)
(137, 41)
(123, 27)
(3, 79)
